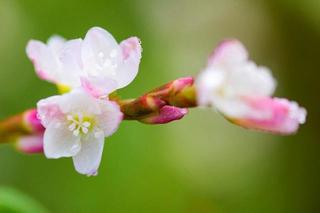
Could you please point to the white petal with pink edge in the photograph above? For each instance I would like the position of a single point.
(271, 114)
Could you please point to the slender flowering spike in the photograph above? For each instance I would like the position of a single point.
(179, 93)
(241, 91)
(76, 124)
(98, 63)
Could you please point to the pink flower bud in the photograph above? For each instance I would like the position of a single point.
(182, 83)
(166, 115)
(32, 122)
(30, 144)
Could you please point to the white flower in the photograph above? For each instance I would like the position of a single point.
(241, 91)
(98, 62)
(46, 57)
(76, 124)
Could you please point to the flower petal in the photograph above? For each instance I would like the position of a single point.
(228, 52)
(98, 39)
(207, 84)
(110, 117)
(79, 101)
(71, 64)
(87, 161)
(250, 79)
(44, 61)
(271, 114)
(98, 86)
(48, 110)
(100, 53)
(60, 142)
(55, 43)
(131, 53)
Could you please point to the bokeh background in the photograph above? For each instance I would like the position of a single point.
(199, 164)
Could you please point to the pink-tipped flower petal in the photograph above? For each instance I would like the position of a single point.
(48, 110)
(131, 55)
(43, 59)
(273, 115)
(228, 51)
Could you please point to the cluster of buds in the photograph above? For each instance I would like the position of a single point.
(89, 71)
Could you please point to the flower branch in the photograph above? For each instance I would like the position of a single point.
(178, 94)
(161, 105)
(89, 71)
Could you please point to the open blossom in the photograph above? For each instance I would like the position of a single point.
(97, 62)
(242, 91)
(76, 124)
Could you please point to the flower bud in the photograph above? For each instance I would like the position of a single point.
(165, 115)
(30, 144)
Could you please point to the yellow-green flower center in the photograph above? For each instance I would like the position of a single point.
(80, 124)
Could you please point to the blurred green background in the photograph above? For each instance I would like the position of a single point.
(200, 164)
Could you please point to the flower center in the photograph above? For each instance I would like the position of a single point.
(79, 124)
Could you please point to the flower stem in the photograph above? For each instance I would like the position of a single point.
(12, 127)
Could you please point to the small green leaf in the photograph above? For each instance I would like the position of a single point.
(13, 201)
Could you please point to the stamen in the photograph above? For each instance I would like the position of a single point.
(72, 126)
(84, 130)
(78, 124)
(86, 124)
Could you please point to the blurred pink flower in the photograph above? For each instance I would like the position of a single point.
(241, 91)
